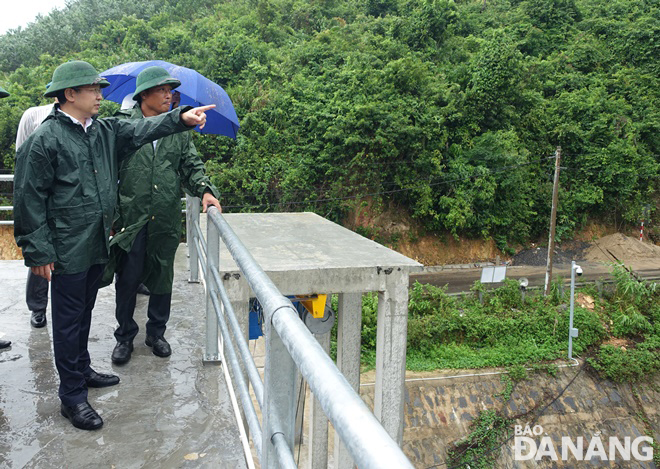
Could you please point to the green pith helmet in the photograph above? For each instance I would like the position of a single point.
(3, 92)
(72, 74)
(153, 76)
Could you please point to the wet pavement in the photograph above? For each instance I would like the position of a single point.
(165, 412)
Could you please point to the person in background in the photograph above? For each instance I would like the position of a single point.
(36, 288)
(65, 192)
(148, 223)
(129, 103)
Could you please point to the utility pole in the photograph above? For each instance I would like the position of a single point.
(553, 220)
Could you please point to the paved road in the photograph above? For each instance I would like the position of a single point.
(461, 279)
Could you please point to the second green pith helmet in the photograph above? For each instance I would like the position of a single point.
(153, 76)
(73, 74)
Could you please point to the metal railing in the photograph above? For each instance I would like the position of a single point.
(289, 347)
(6, 208)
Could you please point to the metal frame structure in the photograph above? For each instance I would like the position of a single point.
(290, 348)
(6, 208)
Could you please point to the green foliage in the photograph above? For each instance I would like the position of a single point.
(634, 305)
(629, 365)
(446, 109)
(477, 450)
(448, 332)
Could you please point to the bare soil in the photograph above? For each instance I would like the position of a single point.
(620, 247)
(8, 248)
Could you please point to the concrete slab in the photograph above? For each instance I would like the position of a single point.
(166, 412)
(303, 253)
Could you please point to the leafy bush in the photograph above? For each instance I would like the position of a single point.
(629, 365)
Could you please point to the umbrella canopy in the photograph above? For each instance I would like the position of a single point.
(195, 89)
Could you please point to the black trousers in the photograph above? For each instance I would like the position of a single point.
(36, 292)
(73, 297)
(129, 277)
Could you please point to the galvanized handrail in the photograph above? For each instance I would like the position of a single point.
(289, 345)
(6, 208)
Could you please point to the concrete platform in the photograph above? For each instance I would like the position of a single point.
(166, 412)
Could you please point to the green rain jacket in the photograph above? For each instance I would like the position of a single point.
(150, 184)
(65, 186)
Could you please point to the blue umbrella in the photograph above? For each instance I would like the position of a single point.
(195, 89)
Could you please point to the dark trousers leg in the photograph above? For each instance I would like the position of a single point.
(36, 292)
(128, 278)
(158, 313)
(73, 298)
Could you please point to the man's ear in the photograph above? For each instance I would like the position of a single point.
(69, 94)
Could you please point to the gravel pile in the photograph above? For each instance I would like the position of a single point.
(539, 256)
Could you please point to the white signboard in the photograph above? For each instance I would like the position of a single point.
(493, 274)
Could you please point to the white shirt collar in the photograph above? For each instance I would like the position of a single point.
(88, 121)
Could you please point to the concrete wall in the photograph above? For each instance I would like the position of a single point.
(438, 413)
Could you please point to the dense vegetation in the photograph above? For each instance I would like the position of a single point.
(507, 329)
(448, 110)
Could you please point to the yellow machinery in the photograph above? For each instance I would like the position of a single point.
(314, 304)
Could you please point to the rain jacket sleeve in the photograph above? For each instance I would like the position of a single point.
(34, 176)
(132, 134)
(193, 178)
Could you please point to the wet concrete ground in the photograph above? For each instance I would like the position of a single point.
(166, 412)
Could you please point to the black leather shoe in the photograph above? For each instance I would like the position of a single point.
(38, 319)
(82, 416)
(142, 290)
(101, 380)
(122, 352)
(159, 345)
(4, 343)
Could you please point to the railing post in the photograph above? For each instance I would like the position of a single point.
(318, 425)
(279, 411)
(192, 217)
(212, 261)
(349, 320)
(391, 333)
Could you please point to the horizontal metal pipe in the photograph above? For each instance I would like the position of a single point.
(284, 455)
(6, 222)
(264, 289)
(6, 177)
(6, 207)
(366, 440)
(248, 361)
(243, 393)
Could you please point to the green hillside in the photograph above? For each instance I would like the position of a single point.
(450, 110)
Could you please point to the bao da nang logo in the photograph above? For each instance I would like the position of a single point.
(528, 446)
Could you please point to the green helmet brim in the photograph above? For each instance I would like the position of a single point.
(159, 81)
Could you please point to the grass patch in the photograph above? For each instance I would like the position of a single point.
(503, 330)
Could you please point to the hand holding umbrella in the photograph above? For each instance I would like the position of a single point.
(196, 116)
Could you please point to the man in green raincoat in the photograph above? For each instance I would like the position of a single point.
(65, 192)
(148, 224)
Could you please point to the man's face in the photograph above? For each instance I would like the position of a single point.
(87, 99)
(157, 99)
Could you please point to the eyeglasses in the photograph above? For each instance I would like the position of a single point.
(96, 91)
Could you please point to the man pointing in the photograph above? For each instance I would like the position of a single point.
(148, 225)
(65, 187)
